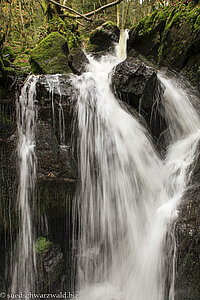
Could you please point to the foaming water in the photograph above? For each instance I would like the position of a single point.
(128, 195)
(24, 262)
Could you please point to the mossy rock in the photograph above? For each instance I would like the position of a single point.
(50, 56)
(103, 38)
(170, 37)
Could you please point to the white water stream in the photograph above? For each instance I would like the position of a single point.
(128, 195)
(24, 262)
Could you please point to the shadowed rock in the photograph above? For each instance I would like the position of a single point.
(103, 38)
(138, 85)
(77, 61)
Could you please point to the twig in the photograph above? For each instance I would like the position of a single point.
(71, 9)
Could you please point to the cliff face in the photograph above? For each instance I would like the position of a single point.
(170, 38)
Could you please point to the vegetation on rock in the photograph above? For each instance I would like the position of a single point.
(50, 56)
(171, 37)
(42, 245)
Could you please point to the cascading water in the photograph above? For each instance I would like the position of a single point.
(24, 263)
(121, 48)
(54, 85)
(128, 195)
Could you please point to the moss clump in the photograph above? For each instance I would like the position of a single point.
(50, 56)
(42, 245)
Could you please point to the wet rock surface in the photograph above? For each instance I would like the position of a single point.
(136, 84)
(187, 283)
(77, 61)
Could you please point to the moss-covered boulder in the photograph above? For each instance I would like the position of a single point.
(103, 38)
(170, 37)
(51, 55)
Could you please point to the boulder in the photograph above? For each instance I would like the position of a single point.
(103, 38)
(50, 56)
(138, 85)
(77, 61)
(134, 82)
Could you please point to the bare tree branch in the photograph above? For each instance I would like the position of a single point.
(102, 8)
(70, 9)
(85, 16)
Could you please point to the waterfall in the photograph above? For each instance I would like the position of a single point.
(122, 47)
(128, 194)
(54, 86)
(24, 262)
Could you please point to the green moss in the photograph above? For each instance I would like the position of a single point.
(42, 245)
(197, 24)
(149, 23)
(73, 40)
(8, 52)
(89, 47)
(22, 61)
(2, 67)
(50, 56)
(65, 28)
(10, 71)
(109, 24)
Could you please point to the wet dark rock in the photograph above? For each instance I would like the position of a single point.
(52, 258)
(103, 38)
(138, 85)
(134, 82)
(77, 61)
(187, 281)
(65, 89)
